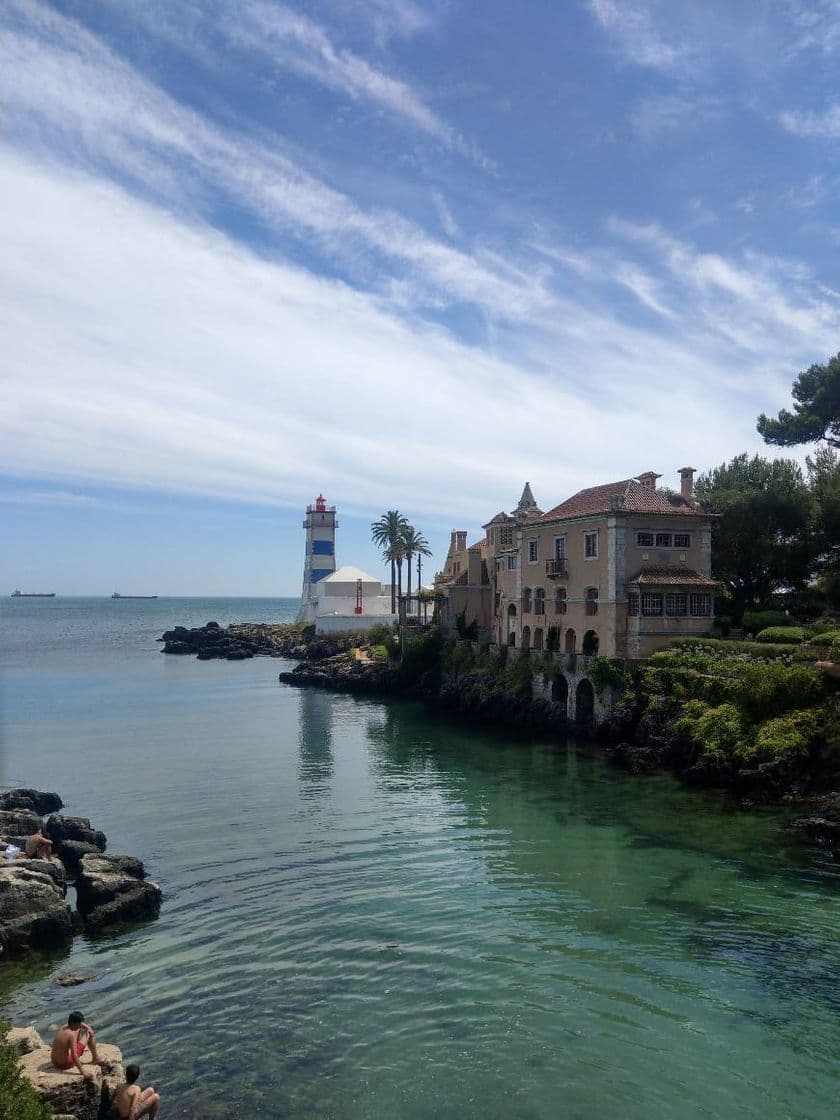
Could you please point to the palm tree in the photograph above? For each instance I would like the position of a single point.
(386, 533)
(396, 554)
(415, 545)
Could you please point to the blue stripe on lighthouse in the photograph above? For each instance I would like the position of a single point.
(322, 548)
(319, 573)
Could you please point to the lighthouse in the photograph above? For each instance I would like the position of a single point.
(320, 525)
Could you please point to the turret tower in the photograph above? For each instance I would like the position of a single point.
(320, 525)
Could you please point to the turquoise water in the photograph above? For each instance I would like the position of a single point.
(371, 911)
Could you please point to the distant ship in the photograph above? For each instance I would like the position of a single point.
(32, 594)
(117, 595)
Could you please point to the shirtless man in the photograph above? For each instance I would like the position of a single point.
(69, 1045)
(38, 846)
(131, 1102)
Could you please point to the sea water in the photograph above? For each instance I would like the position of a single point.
(374, 911)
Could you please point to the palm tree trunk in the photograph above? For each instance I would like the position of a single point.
(393, 586)
(399, 579)
(408, 560)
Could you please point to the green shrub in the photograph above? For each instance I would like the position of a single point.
(719, 731)
(826, 626)
(18, 1100)
(467, 633)
(379, 653)
(834, 652)
(791, 734)
(727, 649)
(519, 674)
(753, 621)
(379, 634)
(780, 635)
(552, 639)
(421, 653)
(721, 625)
(459, 658)
(826, 637)
(607, 672)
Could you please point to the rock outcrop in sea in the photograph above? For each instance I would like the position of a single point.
(69, 1095)
(243, 640)
(111, 890)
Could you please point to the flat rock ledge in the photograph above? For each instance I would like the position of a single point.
(111, 891)
(69, 1095)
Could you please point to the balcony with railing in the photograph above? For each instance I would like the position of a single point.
(557, 568)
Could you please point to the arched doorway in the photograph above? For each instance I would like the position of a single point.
(590, 642)
(526, 637)
(560, 693)
(571, 641)
(511, 624)
(538, 637)
(585, 703)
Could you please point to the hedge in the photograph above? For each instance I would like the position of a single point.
(781, 635)
(753, 621)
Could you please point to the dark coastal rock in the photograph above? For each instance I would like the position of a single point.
(243, 640)
(819, 830)
(61, 827)
(18, 822)
(73, 979)
(52, 867)
(33, 913)
(33, 799)
(71, 852)
(113, 891)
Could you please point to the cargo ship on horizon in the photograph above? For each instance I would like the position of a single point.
(17, 594)
(117, 595)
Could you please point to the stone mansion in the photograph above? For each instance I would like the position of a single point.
(618, 569)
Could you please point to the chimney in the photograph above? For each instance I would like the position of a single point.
(461, 539)
(648, 479)
(687, 483)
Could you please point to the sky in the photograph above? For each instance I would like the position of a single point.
(407, 253)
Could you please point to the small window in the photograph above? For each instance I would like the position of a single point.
(682, 540)
(633, 603)
(676, 604)
(539, 600)
(591, 598)
(663, 540)
(533, 550)
(560, 600)
(559, 548)
(644, 540)
(651, 603)
(526, 600)
(511, 561)
(590, 545)
(701, 604)
(506, 536)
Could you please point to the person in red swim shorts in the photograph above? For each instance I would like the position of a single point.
(70, 1043)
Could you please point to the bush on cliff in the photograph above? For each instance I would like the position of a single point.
(741, 650)
(781, 635)
(421, 653)
(18, 1100)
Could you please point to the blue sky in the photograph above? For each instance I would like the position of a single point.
(405, 252)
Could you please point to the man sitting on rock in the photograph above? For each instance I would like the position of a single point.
(70, 1042)
(131, 1102)
(38, 846)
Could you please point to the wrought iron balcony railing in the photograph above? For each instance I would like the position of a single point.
(556, 569)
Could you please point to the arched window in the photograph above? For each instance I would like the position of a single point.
(538, 638)
(511, 616)
(539, 600)
(571, 641)
(526, 637)
(590, 643)
(526, 600)
(560, 693)
(591, 597)
(559, 600)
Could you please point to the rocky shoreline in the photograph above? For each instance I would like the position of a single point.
(244, 640)
(112, 891)
(67, 1094)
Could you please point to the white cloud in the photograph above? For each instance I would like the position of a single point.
(823, 126)
(633, 30)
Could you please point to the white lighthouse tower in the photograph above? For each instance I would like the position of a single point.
(320, 525)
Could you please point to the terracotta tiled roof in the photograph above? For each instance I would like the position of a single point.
(673, 576)
(629, 496)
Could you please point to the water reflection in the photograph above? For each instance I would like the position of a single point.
(315, 738)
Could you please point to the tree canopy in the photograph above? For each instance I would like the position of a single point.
(762, 540)
(816, 409)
